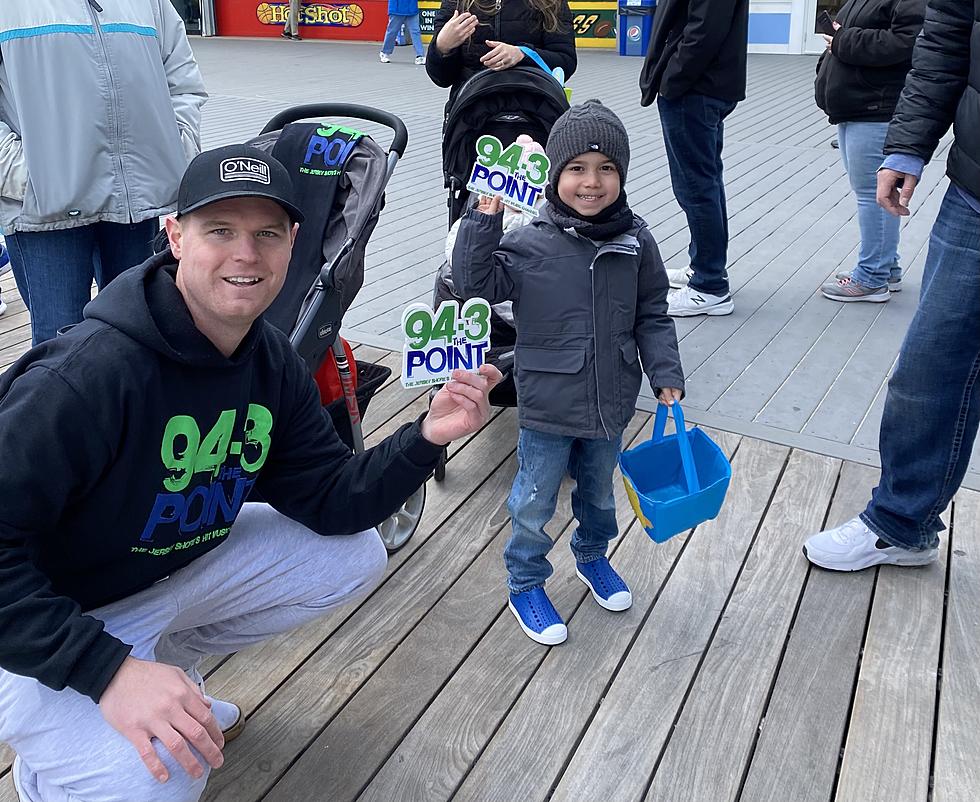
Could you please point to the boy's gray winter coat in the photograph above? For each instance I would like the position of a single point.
(584, 313)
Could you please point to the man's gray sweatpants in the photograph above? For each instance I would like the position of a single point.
(271, 575)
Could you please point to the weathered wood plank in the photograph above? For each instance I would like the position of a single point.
(712, 740)
(889, 742)
(957, 767)
(618, 752)
(797, 753)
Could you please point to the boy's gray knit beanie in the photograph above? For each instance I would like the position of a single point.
(587, 128)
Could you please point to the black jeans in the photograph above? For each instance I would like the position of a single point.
(694, 129)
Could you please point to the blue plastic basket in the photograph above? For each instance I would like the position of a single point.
(675, 483)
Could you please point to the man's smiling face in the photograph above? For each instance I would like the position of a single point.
(233, 258)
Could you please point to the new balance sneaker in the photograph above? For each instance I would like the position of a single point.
(384, 58)
(4, 259)
(686, 302)
(538, 617)
(3, 308)
(419, 60)
(852, 547)
(847, 290)
(679, 276)
(894, 280)
(608, 588)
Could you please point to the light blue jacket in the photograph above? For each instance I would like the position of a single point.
(100, 111)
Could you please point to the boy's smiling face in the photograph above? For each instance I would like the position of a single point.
(589, 183)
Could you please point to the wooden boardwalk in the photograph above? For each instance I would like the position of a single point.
(740, 673)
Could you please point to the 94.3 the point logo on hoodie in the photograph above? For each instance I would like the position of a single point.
(205, 511)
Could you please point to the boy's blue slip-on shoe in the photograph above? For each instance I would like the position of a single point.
(538, 617)
(607, 587)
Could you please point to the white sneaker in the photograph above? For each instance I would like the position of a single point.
(852, 546)
(3, 307)
(419, 60)
(384, 58)
(679, 276)
(686, 302)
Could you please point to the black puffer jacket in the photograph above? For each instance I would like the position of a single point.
(515, 23)
(861, 77)
(942, 88)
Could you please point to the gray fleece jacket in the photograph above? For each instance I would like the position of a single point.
(100, 111)
(587, 315)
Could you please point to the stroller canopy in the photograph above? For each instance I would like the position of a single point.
(505, 104)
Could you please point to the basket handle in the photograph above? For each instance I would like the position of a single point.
(683, 441)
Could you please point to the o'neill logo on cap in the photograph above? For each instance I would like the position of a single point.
(245, 169)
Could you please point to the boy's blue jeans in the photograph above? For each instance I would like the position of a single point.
(932, 407)
(395, 22)
(54, 269)
(694, 134)
(861, 147)
(543, 459)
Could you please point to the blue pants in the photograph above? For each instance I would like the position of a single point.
(395, 22)
(932, 407)
(54, 269)
(694, 132)
(543, 459)
(861, 147)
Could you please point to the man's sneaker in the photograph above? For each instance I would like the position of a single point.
(384, 58)
(3, 308)
(679, 276)
(852, 546)
(419, 60)
(847, 290)
(229, 717)
(686, 302)
(538, 617)
(894, 280)
(286, 34)
(4, 260)
(608, 588)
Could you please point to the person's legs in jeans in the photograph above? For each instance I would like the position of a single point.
(693, 128)
(271, 575)
(542, 460)
(591, 465)
(932, 408)
(415, 31)
(395, 22)
(861, 145)
(291, 27)
(53, 271)
(120, 246)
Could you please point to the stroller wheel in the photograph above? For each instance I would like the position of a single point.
(440, 470)
(397, 530)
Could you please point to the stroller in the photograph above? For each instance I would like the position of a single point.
(341, 175)
(521, 100)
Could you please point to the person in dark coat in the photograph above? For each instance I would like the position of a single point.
(695, 70)
(474, 35)
(859, 80)
(932, 409)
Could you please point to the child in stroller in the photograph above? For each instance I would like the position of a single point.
(523, 101)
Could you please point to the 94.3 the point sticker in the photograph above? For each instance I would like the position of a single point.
(437, 343)
(517, 173)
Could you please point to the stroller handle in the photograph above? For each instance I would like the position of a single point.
(295, 113)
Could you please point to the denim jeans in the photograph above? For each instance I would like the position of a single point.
(395, 22)
(694, 131)
(861, 147)
(543, 459)
(54, 269)
(932, 408)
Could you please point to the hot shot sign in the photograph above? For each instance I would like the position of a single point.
(437, 343)
(517, 173)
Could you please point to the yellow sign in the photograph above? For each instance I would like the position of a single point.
(341, 16)
(594, 22)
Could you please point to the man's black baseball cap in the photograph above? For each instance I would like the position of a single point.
(236, 171)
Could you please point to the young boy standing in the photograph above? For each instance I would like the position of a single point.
(590, 304)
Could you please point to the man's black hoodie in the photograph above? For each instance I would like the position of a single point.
(129, 446)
